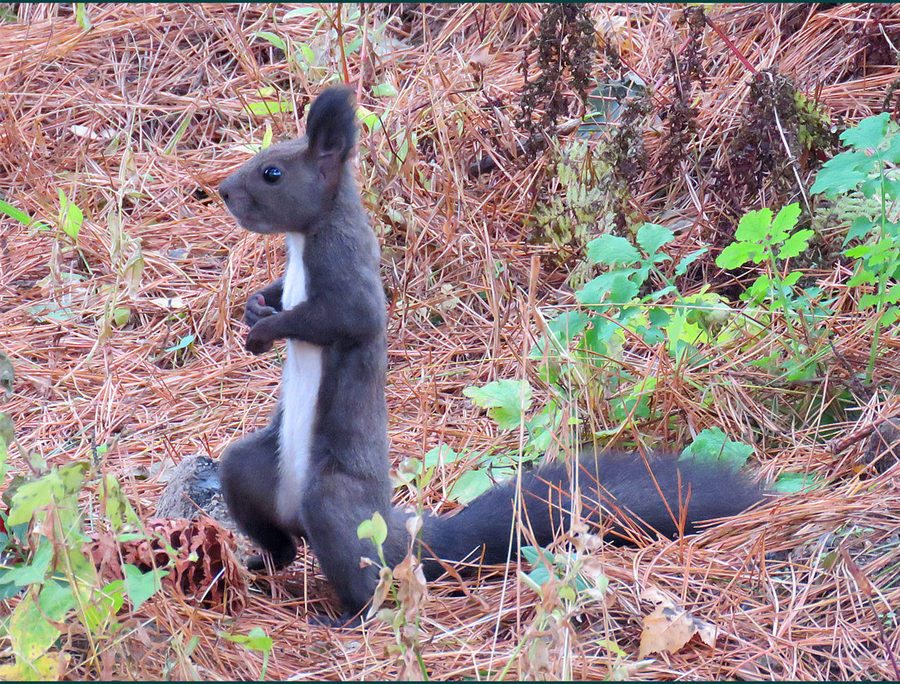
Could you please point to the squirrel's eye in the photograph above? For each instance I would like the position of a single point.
(271, 174)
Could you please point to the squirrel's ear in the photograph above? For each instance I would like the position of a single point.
(331, 131)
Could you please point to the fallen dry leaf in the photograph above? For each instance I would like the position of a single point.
(669, 628)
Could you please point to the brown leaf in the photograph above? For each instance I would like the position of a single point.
(668, 629)
(381, 591)
(412, 589)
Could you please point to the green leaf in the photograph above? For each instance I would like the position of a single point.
(384, 90)
(139, 586)
(540, 573)
(713, 446)
(104, 606)
(612, 250)
(302, 12)
(28, 498)
(35, 571)
(892, 296)
(682, 266)
(306, 52)
(353, 45)
(563, 329)
(19, 215)
(659, 294)
(184, 342)
(268, 107)
(29, 633)
(440, 455)
(754, 226)
(255, 640)
(121, 315)
(651, 237)
(793, 483)
(739, 253)
(759, 290)
(81, 16)
(70, 216)
(56, 485)
(791, 279)
(616, 284)
(56, 599)
(892, 185)
(117, 507)
(786, 220)
(598, 337)
(470, 485)
(867, 133)
(274, 39)
(843, 172)
(506, 401)
(871, 187)
(862, 225)
(369, 119)
(890, 316)
(622, 291)
(867, 301)
(864, 276)
(258, 640)
(375, 529)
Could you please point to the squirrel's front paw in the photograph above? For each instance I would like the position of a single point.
(257, 309)
(257, 341)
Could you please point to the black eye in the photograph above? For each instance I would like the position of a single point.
(271, 174)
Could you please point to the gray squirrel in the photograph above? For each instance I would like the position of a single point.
(321, 465)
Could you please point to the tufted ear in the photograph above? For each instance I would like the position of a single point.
(331, 132)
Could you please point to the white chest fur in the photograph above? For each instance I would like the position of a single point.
(301, 376)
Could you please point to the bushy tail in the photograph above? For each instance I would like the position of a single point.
(621, 498)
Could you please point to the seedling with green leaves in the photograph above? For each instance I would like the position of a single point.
(870, 168)
(564, 587)
(615, 305)
(760, 238)
(255, 640)
(405, 618)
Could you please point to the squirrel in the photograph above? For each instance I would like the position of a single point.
(321, 465)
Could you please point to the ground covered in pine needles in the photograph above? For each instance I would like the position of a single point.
(127, 341)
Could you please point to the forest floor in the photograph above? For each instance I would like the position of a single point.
(124, 324)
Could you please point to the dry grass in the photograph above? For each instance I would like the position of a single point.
(783, 582)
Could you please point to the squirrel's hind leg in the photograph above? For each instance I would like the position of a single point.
(248, 472)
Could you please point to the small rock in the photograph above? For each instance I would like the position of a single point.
(194, 490)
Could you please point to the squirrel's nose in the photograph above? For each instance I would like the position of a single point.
(225, 188)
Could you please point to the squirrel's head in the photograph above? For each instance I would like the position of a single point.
(287, 187)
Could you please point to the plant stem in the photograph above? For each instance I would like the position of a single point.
(888, 268)
(779, 284)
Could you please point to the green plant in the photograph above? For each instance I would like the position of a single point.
(713, 445)
(616, 305)
(406, 585)
(81, 16)
(761, 239)
(45, 565)
(418, 473)
(270, 102)
(870, 168)
(255, 640)
(565, 582)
